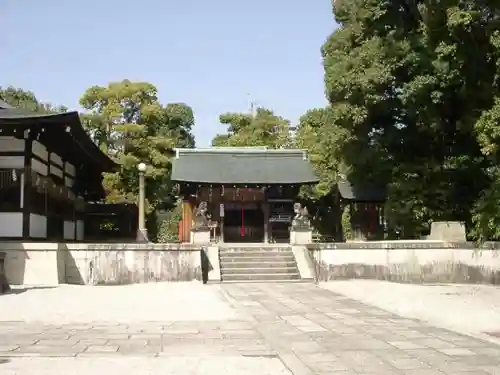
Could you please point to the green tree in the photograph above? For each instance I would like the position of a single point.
(263, 128)
(318, 133)
(169, 224)
(128, 122)
(407, 82)
(27, 100)
(324, 140)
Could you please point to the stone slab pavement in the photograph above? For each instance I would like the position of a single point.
(437, 304)
(295, 328)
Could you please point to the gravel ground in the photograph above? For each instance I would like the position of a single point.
(464, 308)
(159, 302)
(133, 366)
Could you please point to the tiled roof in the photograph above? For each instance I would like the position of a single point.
(59, 123)
(240, 166)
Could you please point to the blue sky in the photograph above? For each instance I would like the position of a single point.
(209, 54)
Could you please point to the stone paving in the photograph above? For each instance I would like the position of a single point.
(307, 329)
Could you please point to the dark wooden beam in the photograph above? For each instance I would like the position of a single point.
(30, 136)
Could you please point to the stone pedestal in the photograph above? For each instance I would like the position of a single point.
(300, 236)
(4, 284)
(452, 231)
(142, 235)
(200, 236)
(212, 254)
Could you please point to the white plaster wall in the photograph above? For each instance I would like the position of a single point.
(56, 171)
(56, 159)
(40, 150)
(39, 167)
(11, 162)
(80, 230)
(12, 144)
(68, 181)
(11, 224)
(38, 226)
(69, 230)
(70, 169)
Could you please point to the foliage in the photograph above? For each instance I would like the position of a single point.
(263, 128)
(168, 230)
(318, 133)
(128, 122)
(27, 100)
(347, 232)
(413, 93)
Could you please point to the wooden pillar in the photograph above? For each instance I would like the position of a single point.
(26, 182)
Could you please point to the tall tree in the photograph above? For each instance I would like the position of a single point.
(127, 121)
(408, 81)
(263, 128)
(324, 140)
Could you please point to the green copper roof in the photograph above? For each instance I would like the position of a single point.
(240, 166)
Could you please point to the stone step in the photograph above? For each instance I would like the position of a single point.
(254, 264)
(258, 260)
(249, 263)
(260, 271)
(257, 253)
(261, 277)
(277, 281)
(255, 250)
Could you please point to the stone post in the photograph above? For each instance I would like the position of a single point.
(300, 235)
(142, 234)
(200, 235)
(4, 284)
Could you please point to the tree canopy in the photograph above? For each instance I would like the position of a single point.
(128, 122)
(263, 128)
(413, 93)
(27, 100)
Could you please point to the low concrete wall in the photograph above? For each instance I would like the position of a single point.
(52, 263)
(32, 263)
(407, 261)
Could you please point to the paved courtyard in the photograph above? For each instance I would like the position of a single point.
(295, 328)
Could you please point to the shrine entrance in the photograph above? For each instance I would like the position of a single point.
(243, 222)
(249, 192)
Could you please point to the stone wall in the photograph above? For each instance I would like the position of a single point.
(53, 263)
(407, 261)
(31, 263)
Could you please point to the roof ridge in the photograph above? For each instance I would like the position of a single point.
(250, 150)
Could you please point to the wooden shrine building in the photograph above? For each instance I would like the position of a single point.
(49, 170)
(250, 192)
(366, 206)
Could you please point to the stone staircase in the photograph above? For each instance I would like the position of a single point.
(262, 263)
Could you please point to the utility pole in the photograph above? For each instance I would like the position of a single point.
(252, 105)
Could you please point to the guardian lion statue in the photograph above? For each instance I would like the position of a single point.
(301, 218)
